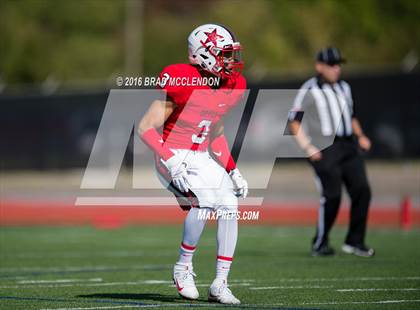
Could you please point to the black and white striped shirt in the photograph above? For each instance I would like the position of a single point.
(328, 108)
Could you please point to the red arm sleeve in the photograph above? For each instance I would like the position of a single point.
(219, 145)
(220, 149)
(154, 141)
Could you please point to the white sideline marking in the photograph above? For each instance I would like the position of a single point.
(151, 266)
(241, 280)
(166, 305)
(288, 287)
(75, 254)
(59, 281)
(208, 284)
(349, 279)
(202, 304)
(337, 290)
(148, 201)
(155, 282)
(142, 282)
(91, 284)
(83, 268)
(92, 308)
(239, 284)
(377, 289)
(363, 302)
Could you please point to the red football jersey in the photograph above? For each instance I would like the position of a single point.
(198, 107)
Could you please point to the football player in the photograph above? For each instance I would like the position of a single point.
(193, 156)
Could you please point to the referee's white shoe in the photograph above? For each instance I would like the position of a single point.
(219, 292)
(358, 250)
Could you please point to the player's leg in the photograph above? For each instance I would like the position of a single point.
(328, 179)
(183, 273)
(214, 190)
(227, 235)
(193, 227)
(355, 179)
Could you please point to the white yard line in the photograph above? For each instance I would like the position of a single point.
(145, 282)
(88, 284)
(92, 282)
(208, 284)
(398, 301)
(75, 254)
(377, 289)
(155, 282)
(337, 290)
(93, 308)
(241, 280)
(163, 305)
(288, 287)
(238, 284)
(151, 266)
(59, 281)
(409, 278)
(79, 268)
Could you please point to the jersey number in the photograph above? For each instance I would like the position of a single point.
(204, 125)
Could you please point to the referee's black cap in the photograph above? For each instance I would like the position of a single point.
(330, 56)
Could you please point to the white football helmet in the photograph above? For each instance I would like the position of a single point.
(215, 49)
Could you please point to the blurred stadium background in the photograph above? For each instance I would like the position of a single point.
(60, 59)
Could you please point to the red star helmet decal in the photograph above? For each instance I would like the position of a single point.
(212, 37)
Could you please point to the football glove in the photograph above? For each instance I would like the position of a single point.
(178, 171)
(240, 185)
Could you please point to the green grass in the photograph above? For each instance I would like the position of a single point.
(112, 269)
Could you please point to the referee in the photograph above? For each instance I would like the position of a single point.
(327, 103)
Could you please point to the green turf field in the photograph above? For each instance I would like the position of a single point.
(85, 268)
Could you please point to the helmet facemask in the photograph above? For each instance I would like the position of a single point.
(229, 60)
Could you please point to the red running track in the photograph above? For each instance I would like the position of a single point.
(23, 213)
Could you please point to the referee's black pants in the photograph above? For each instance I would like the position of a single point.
(342, 163)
